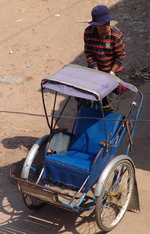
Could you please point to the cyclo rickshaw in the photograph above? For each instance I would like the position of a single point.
(79, 169)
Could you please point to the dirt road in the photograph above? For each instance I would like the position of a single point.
(37, 39)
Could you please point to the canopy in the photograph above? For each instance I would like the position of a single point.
(83, 82)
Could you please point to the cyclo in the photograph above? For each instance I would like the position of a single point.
(79, 169)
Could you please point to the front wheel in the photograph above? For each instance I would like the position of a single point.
(115, 195)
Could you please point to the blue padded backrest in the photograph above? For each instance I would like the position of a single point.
(88, 133)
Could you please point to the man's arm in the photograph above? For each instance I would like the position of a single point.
(120, 53)
(114, 68)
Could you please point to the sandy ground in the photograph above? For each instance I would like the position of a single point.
(37, 39)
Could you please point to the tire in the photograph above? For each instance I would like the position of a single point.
(31, 170)
(115, 195)
(32, 203)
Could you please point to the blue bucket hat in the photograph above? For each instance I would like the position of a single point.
(100, 15)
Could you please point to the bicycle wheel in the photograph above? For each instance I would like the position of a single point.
(115, 195)
(32, 169)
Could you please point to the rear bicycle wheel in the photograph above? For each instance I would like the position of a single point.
(115, 195)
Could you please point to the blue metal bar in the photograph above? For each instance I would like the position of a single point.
(81, 200)
(91, 198)
(137, 116)
(120, 137)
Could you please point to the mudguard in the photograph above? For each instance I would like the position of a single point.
(31, 155)
(134, 201)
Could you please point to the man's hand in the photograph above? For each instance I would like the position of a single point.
(112, 73)
(114, 68)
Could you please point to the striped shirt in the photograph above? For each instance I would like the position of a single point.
(104, 53)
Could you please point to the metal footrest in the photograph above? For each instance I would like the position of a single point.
(47, 194)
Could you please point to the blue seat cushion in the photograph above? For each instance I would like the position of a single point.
(71, 160)
(69, 168)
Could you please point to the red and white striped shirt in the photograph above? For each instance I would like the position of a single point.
(104, 53)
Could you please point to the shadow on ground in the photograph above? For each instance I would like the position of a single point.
(49, 219)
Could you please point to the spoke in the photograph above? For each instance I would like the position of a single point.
(116, 195)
